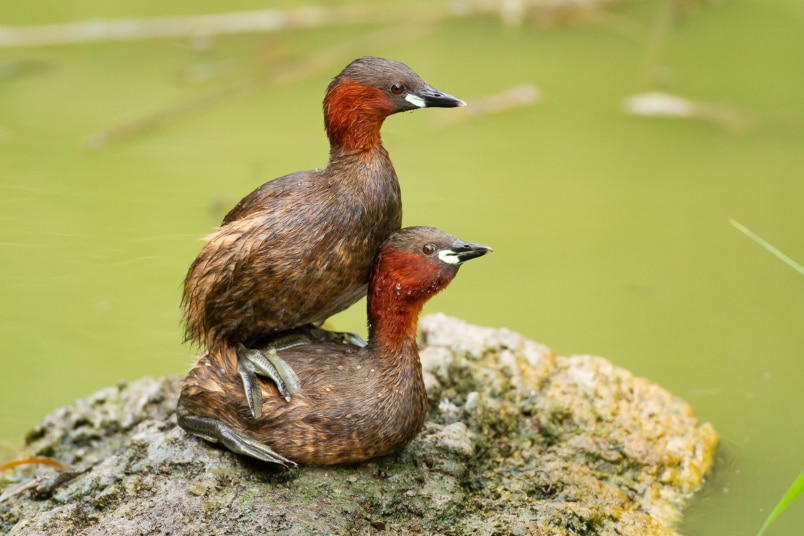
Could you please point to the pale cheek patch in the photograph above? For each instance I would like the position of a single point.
(448, 256)
(415, 100)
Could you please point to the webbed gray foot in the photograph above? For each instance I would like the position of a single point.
(215, 431)
(344, 337)
(267, 363)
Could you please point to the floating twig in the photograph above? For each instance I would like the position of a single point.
(202, 27)
(543, 12)
(292, 72)
(495, 103)
(260, 21)
(661, 104)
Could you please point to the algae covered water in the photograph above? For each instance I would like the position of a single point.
(611, 232)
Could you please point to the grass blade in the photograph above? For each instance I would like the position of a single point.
(795, 490)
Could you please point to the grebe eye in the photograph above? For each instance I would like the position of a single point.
(397, 88)
(429, 249)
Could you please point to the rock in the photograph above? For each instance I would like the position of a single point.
(519, 441)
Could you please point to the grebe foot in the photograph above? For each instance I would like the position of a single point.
(343, 337)
(216, 432)
(268, 364)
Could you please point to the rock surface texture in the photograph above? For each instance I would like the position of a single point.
(518, 441)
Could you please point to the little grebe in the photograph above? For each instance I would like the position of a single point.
(354, 403)
(299, 248)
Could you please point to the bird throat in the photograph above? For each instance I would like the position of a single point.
(396, 297)
(353, 115)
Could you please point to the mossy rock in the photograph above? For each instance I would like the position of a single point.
(518, 441)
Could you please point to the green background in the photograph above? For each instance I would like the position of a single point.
(610, 232)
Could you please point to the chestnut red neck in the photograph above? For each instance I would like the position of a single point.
(399, 286)
(353, 116)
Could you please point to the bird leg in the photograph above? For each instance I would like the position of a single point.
(343, 337)
(267, 363)
(215, 431)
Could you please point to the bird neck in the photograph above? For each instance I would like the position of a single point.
(396, 297)
(353, 116)
(393, 335)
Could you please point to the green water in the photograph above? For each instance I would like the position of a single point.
(611, 232)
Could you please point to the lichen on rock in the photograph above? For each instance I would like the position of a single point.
(518, 441)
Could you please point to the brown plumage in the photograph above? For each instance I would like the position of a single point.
(355, 403)
(299, 248)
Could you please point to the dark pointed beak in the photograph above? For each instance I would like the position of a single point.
(461, 251)
(429, 97)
